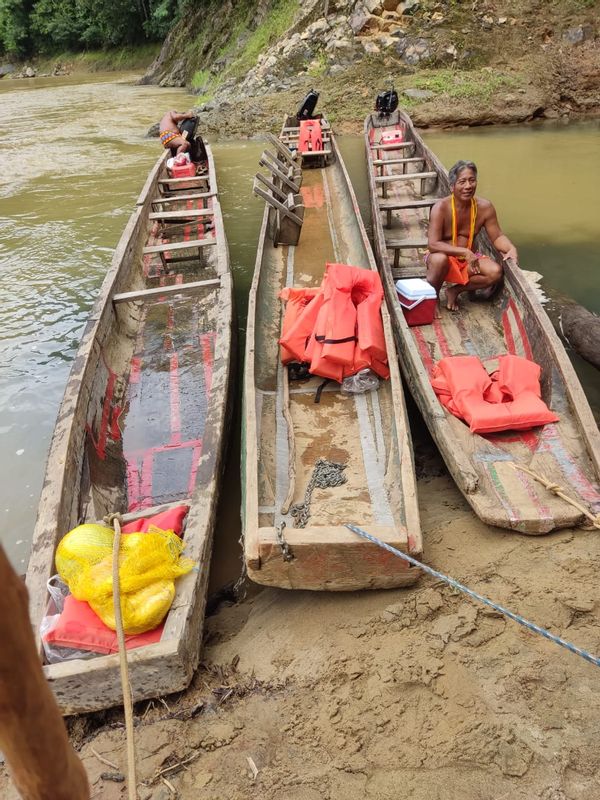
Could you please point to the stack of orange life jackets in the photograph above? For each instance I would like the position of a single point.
(336, 328)
(509, 399)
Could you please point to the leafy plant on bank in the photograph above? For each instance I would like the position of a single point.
(28, 26)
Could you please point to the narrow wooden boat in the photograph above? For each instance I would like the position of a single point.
(368, 433)
(405, 181)
(142, 425)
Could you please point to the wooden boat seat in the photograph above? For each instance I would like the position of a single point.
(413, 271)
(177, 184)
(396, 205)
(398, 146)
(380, 163)
(159, 291)
(182, 213)
(193, 244)
(193, 196)
(404, 244)
(422, 177)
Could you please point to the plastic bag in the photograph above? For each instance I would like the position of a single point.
(58, 590)
(148, 565)
(364, 381)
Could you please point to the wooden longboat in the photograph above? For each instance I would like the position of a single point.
(368, 433)
(143, 422)
(404, 183)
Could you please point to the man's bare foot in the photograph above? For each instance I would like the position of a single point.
(452, 293)
(437, 313)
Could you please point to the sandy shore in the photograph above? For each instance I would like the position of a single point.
(414, 693)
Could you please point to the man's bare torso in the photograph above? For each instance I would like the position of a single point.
(463, 219)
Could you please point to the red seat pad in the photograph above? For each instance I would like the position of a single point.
(170, 520)
(80, 628)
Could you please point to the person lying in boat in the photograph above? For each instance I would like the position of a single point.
(454, 223)
(169, 133)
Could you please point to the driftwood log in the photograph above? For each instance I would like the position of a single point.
(581, 328)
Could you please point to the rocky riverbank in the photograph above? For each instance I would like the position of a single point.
(478, 63)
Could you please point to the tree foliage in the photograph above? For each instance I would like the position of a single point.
(55, 25)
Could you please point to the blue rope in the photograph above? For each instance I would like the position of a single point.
(456, 585)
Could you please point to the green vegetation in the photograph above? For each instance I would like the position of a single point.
(278, 20)
(474, 85)
(116, 59)
(50, 26)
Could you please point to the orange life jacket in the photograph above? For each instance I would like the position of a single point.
(338, 331)
(509, 399)
(311, 136)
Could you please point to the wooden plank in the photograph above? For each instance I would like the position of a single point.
(180, 197)
(326, 151)
(404, 177)
(182, 213)
(282, 149)
(158, 291)
(196, 179)
(276, 204)
(399, 146)
(398, 203)
(167, 248)
(276, 190)
(403, 244)
(388, 162)
(269, 161)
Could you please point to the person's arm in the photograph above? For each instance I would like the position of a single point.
(500, 241)
(33, 736)
(177, 117)
(435, 237)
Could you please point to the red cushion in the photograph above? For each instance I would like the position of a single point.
(80, 628)
(170, 520)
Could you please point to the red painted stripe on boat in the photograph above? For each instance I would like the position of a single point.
(508, 336)
(175, 399)
(441, 337)
(206, 342)
(133, 485)
(521, 327)
(135, 369)
(423, 349)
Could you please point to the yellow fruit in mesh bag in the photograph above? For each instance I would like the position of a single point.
(148, 565)
(141, 610)
(81, 549)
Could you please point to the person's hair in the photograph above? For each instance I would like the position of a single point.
(458, 168)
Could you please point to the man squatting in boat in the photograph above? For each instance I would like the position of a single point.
(170, 135)
(454, 223)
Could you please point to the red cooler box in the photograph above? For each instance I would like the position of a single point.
(418, 300)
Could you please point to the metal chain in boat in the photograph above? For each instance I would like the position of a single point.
(325, 474)
(285, 548)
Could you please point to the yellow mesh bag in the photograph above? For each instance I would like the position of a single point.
(148, 565)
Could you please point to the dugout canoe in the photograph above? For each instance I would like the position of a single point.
(369, 433)
(142, 424)
(404, 182)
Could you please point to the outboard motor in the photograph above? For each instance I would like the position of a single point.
(197, 148)
(386, 102)
(307, 109)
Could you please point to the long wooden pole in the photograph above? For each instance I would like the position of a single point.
(126, 686)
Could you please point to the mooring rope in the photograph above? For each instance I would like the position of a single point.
(115, 520)
(456, 585)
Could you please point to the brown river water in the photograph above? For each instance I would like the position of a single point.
(74, 157)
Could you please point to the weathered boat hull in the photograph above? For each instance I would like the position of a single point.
(143, 423)
(369, 434)
(568, 452)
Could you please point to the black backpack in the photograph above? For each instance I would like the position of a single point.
(386, 102)
(307, 109)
